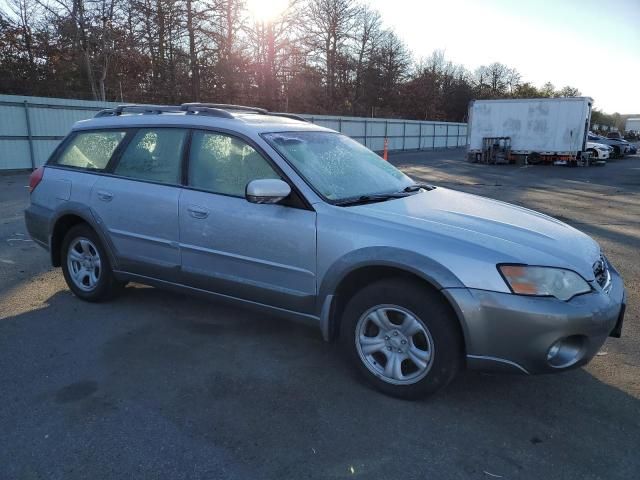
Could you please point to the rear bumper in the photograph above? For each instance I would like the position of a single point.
(36, 219)
(513, 333)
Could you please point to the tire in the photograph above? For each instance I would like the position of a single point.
(86, 266)
(534, 158)
(402, 337)
(594, 153)
(616, 152)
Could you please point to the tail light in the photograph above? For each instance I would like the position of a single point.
(35, 178)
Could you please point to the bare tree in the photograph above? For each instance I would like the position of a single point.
(394, 64)
(568, 92)
(318, 56)
(496, 80)
(22, 15)
(271, 50)
(92, 23)
(367, 37)
(547, 90)
(193, 54)
(329, 24)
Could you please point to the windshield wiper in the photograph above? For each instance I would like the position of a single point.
(418, 186)
(381, 197)
(362, 199)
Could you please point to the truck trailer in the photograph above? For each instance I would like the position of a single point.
(533, 130)
(632, 125)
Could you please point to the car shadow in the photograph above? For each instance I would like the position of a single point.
(179, 382)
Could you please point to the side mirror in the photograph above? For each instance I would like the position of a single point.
(267, 190)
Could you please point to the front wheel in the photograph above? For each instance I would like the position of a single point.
(616, 152)
(403, 337)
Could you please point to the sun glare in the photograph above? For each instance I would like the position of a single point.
(266, 10)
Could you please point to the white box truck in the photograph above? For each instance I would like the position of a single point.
(632, 125)
(544, 129)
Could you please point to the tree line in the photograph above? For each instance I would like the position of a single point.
(604, 122)
(316, 56)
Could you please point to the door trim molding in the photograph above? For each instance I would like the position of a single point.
(247, 259)
(298, 316)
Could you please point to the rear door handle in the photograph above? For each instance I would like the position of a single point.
(104, 195)
(197, 212)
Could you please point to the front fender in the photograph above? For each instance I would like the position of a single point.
(411, 262)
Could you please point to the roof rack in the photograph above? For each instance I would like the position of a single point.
(227, 106)
(213, 109)
(108, 112)
(292, 116)
(202, 109)
(158, 109)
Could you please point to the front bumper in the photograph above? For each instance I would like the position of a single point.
(513, 333)
(602, 154)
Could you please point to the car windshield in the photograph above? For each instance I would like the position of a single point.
(336, 166)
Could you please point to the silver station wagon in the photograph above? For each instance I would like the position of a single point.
(235, 203)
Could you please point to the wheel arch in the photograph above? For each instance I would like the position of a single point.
(347, 276)
(67, 219)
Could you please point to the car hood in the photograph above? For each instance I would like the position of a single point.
(610, 141)
(509, 233)
(597, 145)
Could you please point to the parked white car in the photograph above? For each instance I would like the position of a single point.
(599, 150)
(620, 147)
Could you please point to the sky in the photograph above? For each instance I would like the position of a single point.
(588, 44)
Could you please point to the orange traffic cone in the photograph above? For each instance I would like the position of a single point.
(386, 149)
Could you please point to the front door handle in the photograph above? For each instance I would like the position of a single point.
(104, 195)
(197, 212)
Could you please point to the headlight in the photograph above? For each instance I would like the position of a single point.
(544, 281)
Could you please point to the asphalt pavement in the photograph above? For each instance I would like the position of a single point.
(159, 385)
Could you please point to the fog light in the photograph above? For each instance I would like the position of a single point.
(566, 351)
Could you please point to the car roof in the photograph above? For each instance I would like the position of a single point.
(241, 122)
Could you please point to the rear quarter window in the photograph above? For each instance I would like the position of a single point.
(90, 150)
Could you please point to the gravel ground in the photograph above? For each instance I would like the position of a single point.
(159, 385)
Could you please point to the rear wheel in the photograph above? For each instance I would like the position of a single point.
(534, 158)
(86, 266)
(402, 337)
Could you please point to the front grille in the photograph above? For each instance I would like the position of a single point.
(601, 272)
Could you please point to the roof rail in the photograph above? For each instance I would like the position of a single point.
(158, 109)
(227, 106)
(200, 108)
(213, 109)
(292, 116)
(136, 108)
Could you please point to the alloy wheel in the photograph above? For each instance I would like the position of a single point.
(394, 344)
(85, 266)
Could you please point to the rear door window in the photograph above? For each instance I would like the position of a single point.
(90, 150)
(154, 154)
